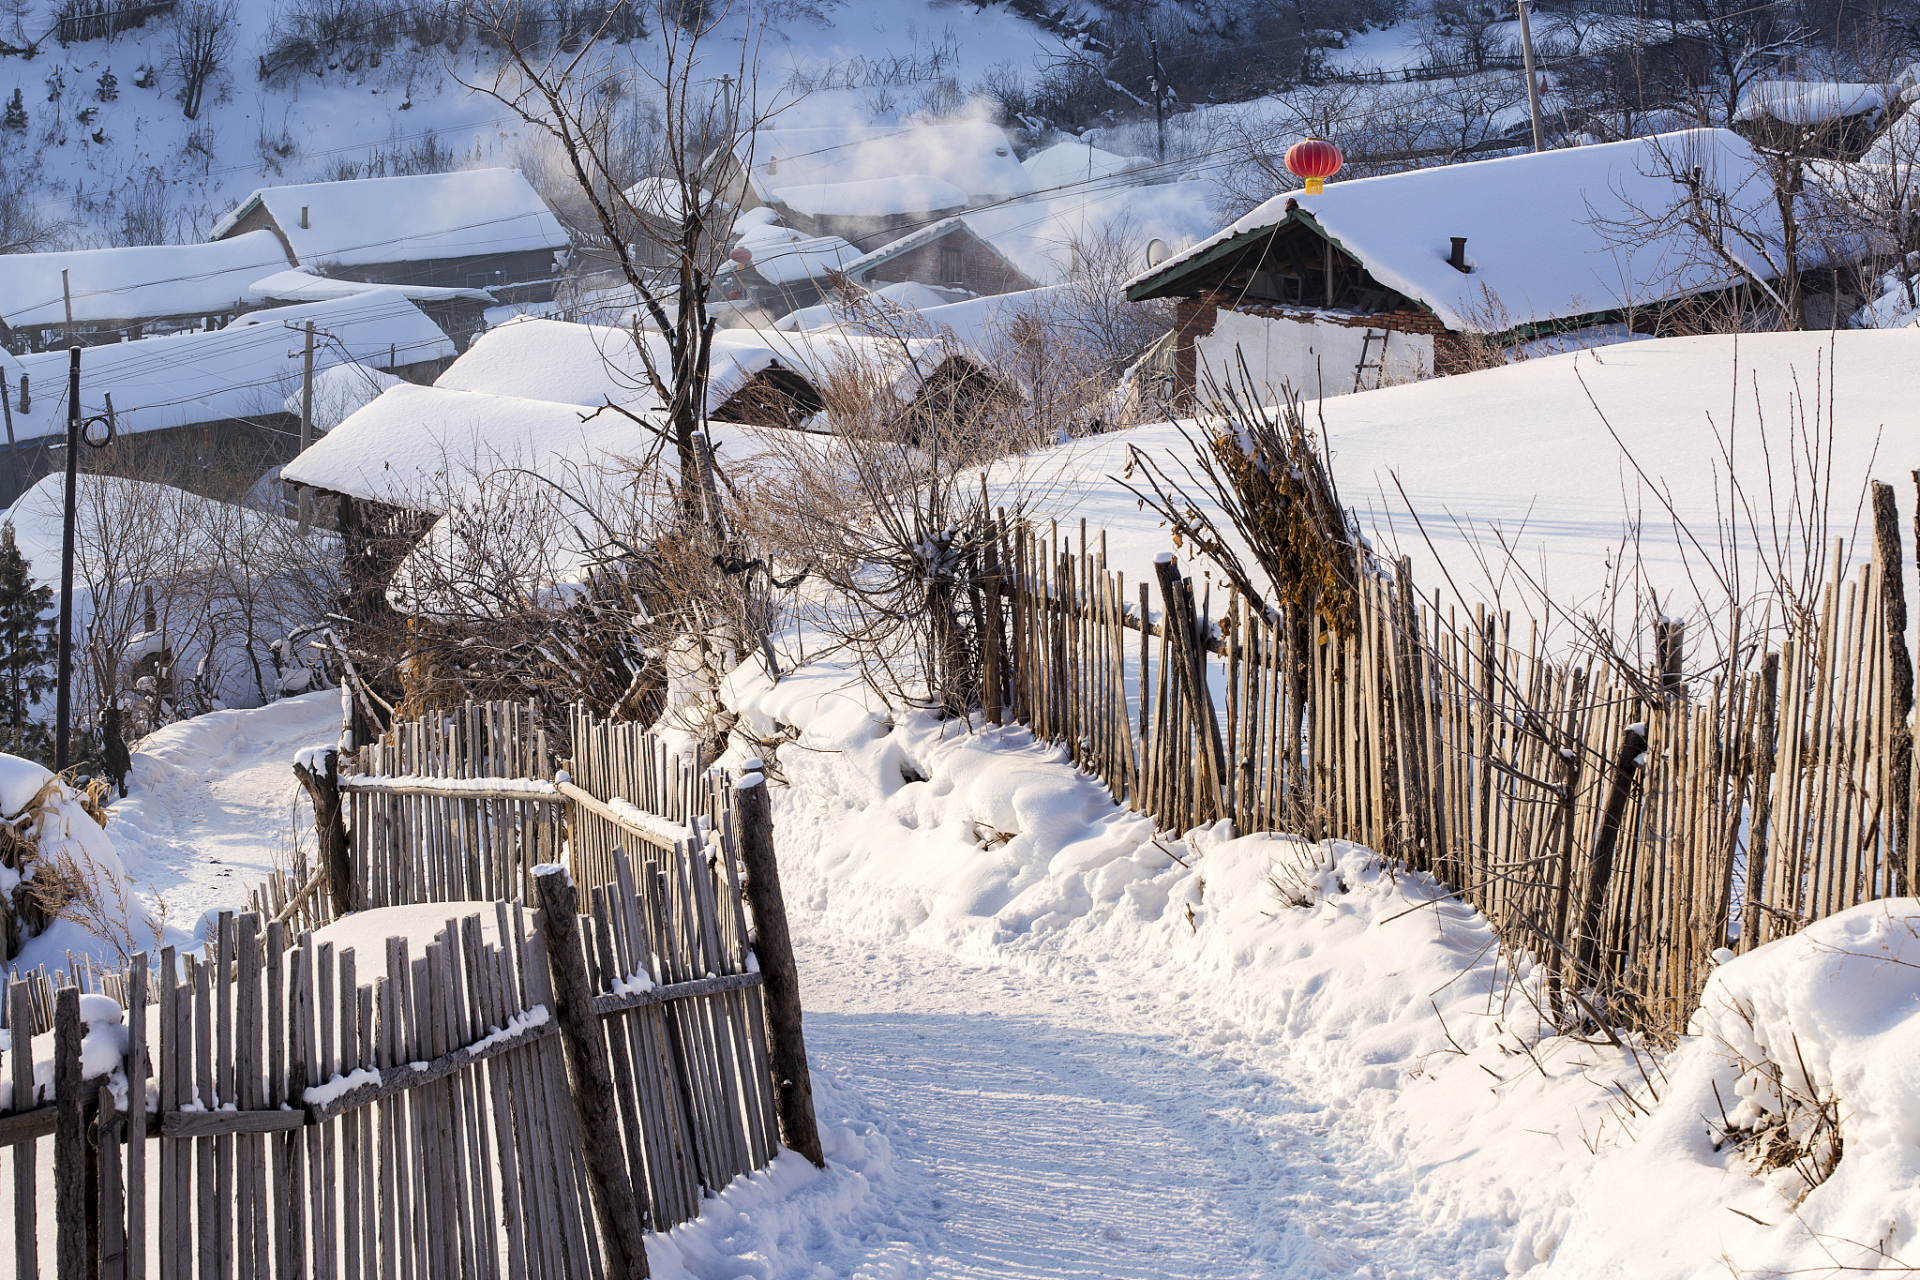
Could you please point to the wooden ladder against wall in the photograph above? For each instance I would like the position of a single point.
(1379, 362)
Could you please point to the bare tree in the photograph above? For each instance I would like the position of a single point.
(202, 39)
(571, 93)
(1723, 216)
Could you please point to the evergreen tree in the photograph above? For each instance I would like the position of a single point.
(28, 650)
(109, 86)
(16, 117)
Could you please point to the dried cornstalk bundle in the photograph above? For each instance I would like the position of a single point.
(1264, 470)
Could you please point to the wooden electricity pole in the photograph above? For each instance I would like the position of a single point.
(306, 424)
(1159, 96)
(1533, 82)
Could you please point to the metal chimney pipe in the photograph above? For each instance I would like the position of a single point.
(1458, 258)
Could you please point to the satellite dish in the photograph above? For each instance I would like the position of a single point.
(1157, 252)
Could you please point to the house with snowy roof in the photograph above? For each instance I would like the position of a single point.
(872, 184)
(773, 270)
(946, 255)
(1404, 276)
(478, 229)
(208, 405)
(115, 295)
(1817, 119)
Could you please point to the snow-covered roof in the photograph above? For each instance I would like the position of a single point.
(862, 267)
(1535, 225)
(300, 285)
(1807, 102)
(413, 446)
(341, 392)
(783, 256)
(243, 370)
(873, 197)
(136, 283)
(1037, 234)
(976, 321)
(380, 327)
(416, 218)
(902, 297)
(972, 156)
(1070, 164)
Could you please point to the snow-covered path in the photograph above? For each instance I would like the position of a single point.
(210, 806)
(1072, 1125)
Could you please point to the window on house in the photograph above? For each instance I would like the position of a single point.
(952, 266)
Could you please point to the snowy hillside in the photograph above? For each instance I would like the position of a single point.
(108, 155)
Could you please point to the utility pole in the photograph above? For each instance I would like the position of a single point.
(67, 294)
(1160, 96)
(306, 424)
(1533, 83)
(78, 430)
(63, 703)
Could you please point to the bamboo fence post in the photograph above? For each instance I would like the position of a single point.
(70, 1190)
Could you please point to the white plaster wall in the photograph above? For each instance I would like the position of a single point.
(1313, 357)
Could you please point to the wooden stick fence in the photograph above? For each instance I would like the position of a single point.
(1765, 802)
(310, 1122)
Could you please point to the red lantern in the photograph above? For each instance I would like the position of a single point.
(1315, 160)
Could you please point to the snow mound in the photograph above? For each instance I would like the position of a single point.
(1788, 1138)
(62, 883)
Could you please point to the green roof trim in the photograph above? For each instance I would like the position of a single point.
(1142, 291)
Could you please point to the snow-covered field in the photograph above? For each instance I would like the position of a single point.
(1530, 481)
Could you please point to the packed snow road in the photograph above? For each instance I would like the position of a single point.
(1069, 1125)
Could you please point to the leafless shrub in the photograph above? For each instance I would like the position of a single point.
(889, 513)
(1782, 1118)
(202, 38)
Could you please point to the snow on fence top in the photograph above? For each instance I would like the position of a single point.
(240, 371)
(142, 282)
(972, 156)
(1539, 242)
(1806, 102)
(417, 218)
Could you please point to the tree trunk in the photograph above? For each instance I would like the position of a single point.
(779, 975)
(330, 829)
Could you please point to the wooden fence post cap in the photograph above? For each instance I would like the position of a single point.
(753, 764)
(1164, 557)
(748, 781)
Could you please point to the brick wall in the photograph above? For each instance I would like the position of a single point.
(1192, 318)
